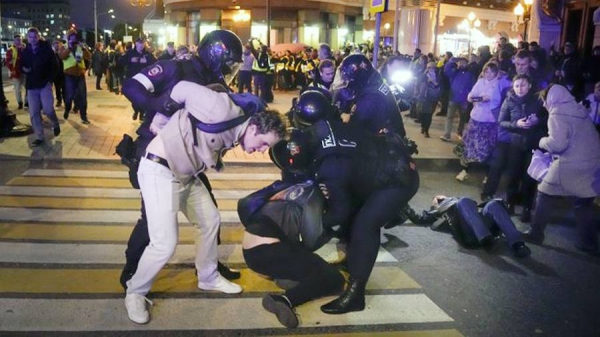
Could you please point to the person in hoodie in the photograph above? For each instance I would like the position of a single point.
(575, 170)
(480, 137)
(522, 123)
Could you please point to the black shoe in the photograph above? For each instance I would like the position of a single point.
(426, 134)
(533, 237)
(526, 215)
(98, 88)
(440, 114)
(226, 272)
(37, 142)
(519, 249)
(58, 104)
(56, 130)
(486, 197)
(26, 105)
(85, 121)
(353, 299)
(66, 114)
(282, 308)
(20, 106)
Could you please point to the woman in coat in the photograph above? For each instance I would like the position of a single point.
(575, 171)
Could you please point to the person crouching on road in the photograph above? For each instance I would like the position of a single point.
(167, 178)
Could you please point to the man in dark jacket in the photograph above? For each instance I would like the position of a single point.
(169, 53)
(39, 65)
(133, 62)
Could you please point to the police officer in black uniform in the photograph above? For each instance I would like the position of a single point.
(374, 106)
(365, 179)
(219, 54)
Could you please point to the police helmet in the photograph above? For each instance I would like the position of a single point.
(221, 50)
(356, 68)
(293, 154)
(312, 106)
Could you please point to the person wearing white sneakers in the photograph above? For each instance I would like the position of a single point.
(167, 178)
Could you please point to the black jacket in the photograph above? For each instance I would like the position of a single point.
(514, 108)
(40, 66)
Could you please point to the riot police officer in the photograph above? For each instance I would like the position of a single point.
(365, 178)
(374, 106)
(218, 55)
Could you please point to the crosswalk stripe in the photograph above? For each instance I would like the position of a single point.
(63, 234)
(89, 192)
(124, 183)
(207, 314)
(125, 175)
(50, 253)
(92, 216)
(57, 232)
(87, 203)
(72, 281)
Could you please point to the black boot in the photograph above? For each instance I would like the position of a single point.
(282, 308)
(228, 273)
(353, 299)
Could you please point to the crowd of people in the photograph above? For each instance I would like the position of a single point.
(344, 141)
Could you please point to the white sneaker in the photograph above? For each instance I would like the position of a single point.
(222, 285)
(462, 176)
(136, 308)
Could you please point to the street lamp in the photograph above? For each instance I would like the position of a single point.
(96, 15)
(524, 12)
(472, 22)
(141, 4)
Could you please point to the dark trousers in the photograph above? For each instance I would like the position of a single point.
(519, 182)
(498, 163)
(270, 80)
(98, 80)
(587, 236)
(244, 81)
(290, 261)
(76, 90)
(444, 100)
(260, 85)
(59, 88)
(496, 217)
(425, 109)
(379, 208)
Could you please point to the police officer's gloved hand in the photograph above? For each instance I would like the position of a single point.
(165, 104)
(248, 102)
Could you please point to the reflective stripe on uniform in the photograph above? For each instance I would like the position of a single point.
(145, 81)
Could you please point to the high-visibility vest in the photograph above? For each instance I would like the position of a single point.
(70, 61)
(257, 67)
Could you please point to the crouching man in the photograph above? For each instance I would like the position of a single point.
(167, 178)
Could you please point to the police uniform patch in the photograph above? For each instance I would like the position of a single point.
(155, 71)
(384, 89)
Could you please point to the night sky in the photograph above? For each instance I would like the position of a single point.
(82, 13)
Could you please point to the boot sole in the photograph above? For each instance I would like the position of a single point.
(285, 314)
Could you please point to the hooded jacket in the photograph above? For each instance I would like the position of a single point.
(575, 145)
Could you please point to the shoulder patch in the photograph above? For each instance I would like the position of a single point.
(155, 71)
(384, 89)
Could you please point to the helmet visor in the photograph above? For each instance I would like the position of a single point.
(230, 70)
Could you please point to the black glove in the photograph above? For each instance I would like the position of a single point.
(248, 102)
(165, 104)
